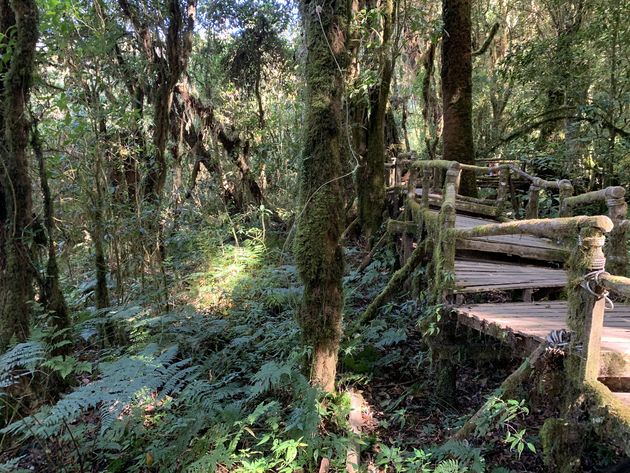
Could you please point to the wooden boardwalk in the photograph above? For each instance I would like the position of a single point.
(525, 246)
(525, 262)
(508, 283)
(531, 323)
(526, 324)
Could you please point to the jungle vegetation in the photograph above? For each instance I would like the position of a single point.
(190, 191)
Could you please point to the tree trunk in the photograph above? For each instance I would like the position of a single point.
(457, 89)
(371, 176)
(317, 250)
(18, 291)
(430, 117)
(98, 235)
(52, 297)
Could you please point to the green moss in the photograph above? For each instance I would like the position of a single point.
(561, 445)
(316, 247)
(608, 415)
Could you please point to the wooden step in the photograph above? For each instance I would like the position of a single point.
(475, 276)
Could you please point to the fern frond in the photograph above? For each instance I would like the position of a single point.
(20, 360)
(124, 383)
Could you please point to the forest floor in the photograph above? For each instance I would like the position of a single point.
(225, 390)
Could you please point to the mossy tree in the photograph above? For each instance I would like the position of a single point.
(19, 23)
(457, 88)
(372, 116)
(317, 250)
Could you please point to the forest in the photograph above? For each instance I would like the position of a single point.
(304, 236)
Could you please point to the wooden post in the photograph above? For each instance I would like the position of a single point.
(406, 239)
(449, 214)
(427, 174)
(411, 183)
(443, 344)
(566, 191)
(616, 247)
(503, 190)
(531, 211)
(513, 199)
(397, 171)
(585, 318)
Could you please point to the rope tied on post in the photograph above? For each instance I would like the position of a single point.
(594, 276)
(615, 202)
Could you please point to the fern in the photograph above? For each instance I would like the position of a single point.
(12, 466)
(450, 466)
(123, 383)
(20, 360)
(269, 375)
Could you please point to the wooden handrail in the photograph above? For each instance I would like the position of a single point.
(549, 228)
(445, 164)
(609, 194)
(617, 284)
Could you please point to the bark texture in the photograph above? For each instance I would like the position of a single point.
(18, 273)
(457, 89)
(317, 250)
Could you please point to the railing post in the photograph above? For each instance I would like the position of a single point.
(449, 215)
(427, 174)
(411, 183)
(616, 247)
(392, 172)
(585, 317)
(503, 190)
(406, 239)
(531, 211)
(565, 189)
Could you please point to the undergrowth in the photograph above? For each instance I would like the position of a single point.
(216, 383)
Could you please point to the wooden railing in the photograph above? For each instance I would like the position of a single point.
(584, 237)
(422, 178)
(589, 256)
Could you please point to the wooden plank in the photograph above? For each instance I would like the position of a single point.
(472, 276)
(529, 252)
(525, 246)
(616, 384)
(515, 322)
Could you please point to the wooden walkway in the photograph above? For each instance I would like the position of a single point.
(476, 275)
(509, 282)
(524, 246)
(526, 324)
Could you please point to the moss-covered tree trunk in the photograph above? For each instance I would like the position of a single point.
(173, 38)
(457, 88)
(18, 278)
(317, 250)
(371, 176)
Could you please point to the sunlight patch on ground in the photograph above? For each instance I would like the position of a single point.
(229, 270)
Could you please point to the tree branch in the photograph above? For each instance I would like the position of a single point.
(486, 44)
